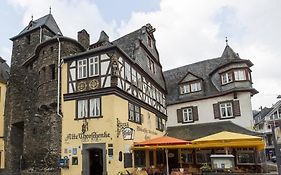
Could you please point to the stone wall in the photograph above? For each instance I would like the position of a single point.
(33, 128)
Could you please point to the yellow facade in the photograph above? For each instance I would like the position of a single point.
(105, 130)
(2, 107)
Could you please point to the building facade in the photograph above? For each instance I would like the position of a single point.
(213, 90)
(112, 96)
(264, 121)
(4, 76)
(71, 103)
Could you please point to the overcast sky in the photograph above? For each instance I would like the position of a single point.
(187, 31)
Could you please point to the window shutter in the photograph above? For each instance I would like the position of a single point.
(195, 113)
(236, 108)
(216, 110)
(179, 115)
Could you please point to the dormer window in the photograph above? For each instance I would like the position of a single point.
(240, 75)
(190, 87)
(226, 78)
(235, 75)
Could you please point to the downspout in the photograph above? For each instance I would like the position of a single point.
(40, 34)
(59, 69)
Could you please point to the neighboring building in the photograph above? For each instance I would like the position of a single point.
(264, 120)
(4, 76)
(89, 107)
(213, 90)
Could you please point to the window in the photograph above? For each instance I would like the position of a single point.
(160, 125)
(139, 157)
(150, 64)
(186, 156)
(187, 115)
(190, 87)
(134, 113)
(82, 68)
(239, 75)
(88, 108)
(134, 77)
(203, 156)
(127, 72)
(226, 78)
(226, 110)
(185, 89)
(94, 107)
(93, 66)
(82, 108)
(195, 87)
(245, 158)
(53, 71)
(149, 41)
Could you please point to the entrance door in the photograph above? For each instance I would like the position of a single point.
(173, 159)
(96, 161)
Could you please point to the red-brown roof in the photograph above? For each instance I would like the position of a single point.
(164, 140)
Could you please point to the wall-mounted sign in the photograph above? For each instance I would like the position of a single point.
(147, 131)
(121, 126)
(128, 133)
(94, 136)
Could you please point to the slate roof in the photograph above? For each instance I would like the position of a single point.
(201, 69)
(47, 20)
(195, 131)
(128, 44)
(4, 71)
(263, 112)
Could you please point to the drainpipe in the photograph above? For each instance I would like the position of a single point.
(40, 34)
(59, 69)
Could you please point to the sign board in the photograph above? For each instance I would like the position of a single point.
(128, 133)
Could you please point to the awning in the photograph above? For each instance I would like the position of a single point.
(229, 139)
(162, 142)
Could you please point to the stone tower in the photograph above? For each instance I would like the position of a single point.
(32, 119)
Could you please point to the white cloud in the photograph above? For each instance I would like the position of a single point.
(71, 16)
(188, 31)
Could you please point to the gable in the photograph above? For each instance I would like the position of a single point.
(189, 77)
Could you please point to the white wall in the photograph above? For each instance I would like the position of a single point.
(206, 113)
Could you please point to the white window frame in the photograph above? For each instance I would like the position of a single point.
(88, 108)
(226, 78)
(94, 107)
(82, 109)
(195, 87)
(82, 69)
(128, 72)
(227, 109)
(185, 88)
(187, 115)
(93, 66)
(240, 75)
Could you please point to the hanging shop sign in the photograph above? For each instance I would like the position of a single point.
(94, 136)
(121, 126)
(128, 133)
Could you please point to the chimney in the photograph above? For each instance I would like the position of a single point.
(84, 38)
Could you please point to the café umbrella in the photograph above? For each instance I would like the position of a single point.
(164, 142)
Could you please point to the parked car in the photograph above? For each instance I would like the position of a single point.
(273, 159)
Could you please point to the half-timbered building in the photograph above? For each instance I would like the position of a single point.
(113, 94)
